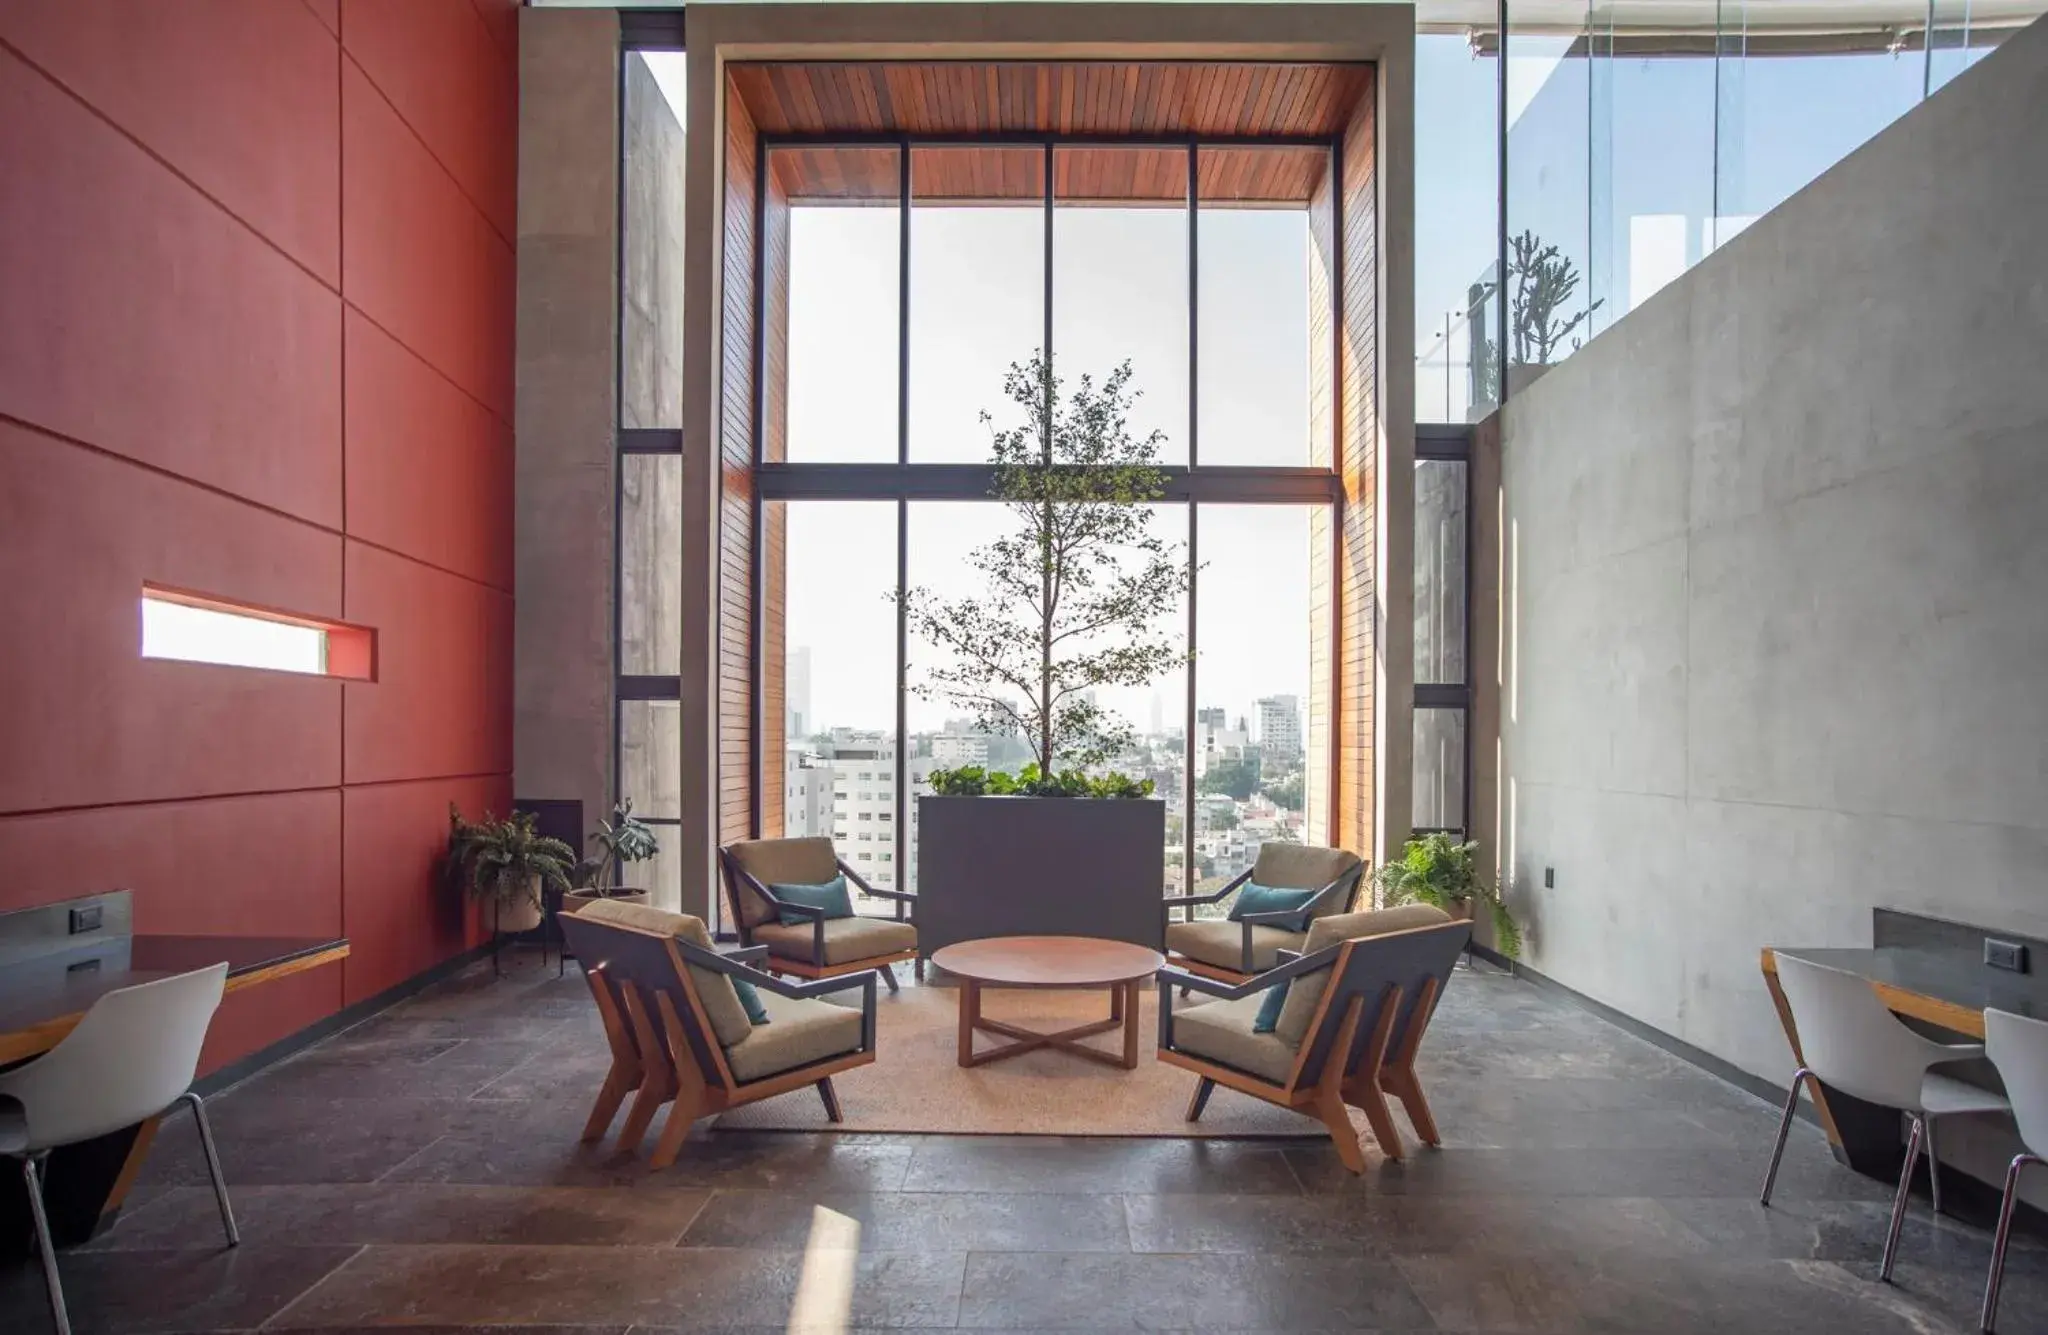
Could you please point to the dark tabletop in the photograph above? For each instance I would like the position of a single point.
(1942, 974)
(49, 987)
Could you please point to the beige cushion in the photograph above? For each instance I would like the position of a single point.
(775, 862)
(1303, 867)
(1222, 1032)
(1306, 992)
(798, 1033)
(1214, 941)
(846, 939)
(721, 1003)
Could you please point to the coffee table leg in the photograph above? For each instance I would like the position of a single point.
(970, 1012)
(1129, 1006)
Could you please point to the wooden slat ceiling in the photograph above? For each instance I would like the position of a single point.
(997, 174)
(994, 97)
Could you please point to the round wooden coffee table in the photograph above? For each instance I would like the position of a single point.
(1049, 963)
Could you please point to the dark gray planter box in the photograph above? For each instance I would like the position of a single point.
(1040, 866)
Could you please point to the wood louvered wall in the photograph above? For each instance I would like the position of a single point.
(774, 722)
(735, 784)
(1358, 470)
(1317, 774)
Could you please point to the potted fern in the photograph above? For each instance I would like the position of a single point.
(1437, 869)
(623, 839)
(507, 864)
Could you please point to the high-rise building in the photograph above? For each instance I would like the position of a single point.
(797, 686)
(806, 795)
(962, 747)
(1279, 734)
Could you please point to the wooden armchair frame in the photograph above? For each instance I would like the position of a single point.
(739, 881)
(664, 1049)
(1341, 891)
(1360, 1045)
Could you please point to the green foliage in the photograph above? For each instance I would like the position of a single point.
(1283, 791)
(1235, 776)
(1074, 593)
(974, 781)
(1436, 869)
(622, 839)
(501, 859)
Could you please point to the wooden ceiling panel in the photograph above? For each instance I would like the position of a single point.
(1079, 98)
(991, 174)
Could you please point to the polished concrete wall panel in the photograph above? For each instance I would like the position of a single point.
(256, 343)
(1774, 557)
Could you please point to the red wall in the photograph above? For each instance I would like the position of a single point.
(256, 303)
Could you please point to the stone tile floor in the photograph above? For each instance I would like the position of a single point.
(422, 1170)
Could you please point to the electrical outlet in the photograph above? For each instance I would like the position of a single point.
(2005, 954)
(87, 919)
(1550, 878)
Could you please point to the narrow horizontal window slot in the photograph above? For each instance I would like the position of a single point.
(195, 628)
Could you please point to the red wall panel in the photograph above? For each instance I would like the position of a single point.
(142, 319)
(238, 96)
(442, 702)
(84, 718)
(417, 257)
(438, 64)
(399, 919)
(429, 468)
(174, 365)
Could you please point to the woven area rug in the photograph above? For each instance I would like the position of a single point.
(916, 1083)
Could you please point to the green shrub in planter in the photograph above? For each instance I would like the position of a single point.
(1437, 869)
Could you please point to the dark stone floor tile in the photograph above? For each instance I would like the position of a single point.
(660, 1287)
(486, 1156)
(1050, 1291)
(1384, 1226)
(1955, 1294)
(313, 1076)
(1082, 1165)
(266, 1140)
(155, 1293)
(559, 1073)
(401, 1024)
(1699, 1170)
(399, 1212)
(1826, 1230)
(462, 1330)
(918, 1221)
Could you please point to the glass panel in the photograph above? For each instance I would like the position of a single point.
(839, 678)
(1440, 769)
(1439, 571)
(1265, 274)
(1652, 158)
(650, 564)
(833, 231)
(1120, 281)
(952, 544)
(651, 757)
(977, 290)
(1457, 212)
(1254, 636)
(662, 875)
(1549, 233)
(651, 286)
(1786, 115)
(176, 629)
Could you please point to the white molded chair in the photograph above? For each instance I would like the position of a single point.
(131, 1058)
(1852, 1042)
(2018, 1047)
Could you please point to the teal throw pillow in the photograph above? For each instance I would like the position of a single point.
(1268, 1018)
(1256, 898)
(750, 1002)
(832, 897)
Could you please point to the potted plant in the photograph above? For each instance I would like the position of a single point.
(507, 864)
(622, 839)
(1077, 596)
(1437, 869)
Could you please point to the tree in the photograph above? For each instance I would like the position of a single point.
(1284, 792)
(1235, 776)
(1073, 596)
(1544, 280)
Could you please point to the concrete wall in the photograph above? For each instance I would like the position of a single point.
(1775, 598)
(567, 405)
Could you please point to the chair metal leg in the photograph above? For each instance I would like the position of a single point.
(889, 977)
(1799, 1077)
(917, 967)
(830, 1097)
(32, 1178)
(220, 1182)
(1203, 1089)
(1933, 1168)
(2001, 1237)
(1891, 1238)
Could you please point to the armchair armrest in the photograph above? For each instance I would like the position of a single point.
(816, 988)
(1169, 904)
(1288, 969)
(901, 897)
(746, 954)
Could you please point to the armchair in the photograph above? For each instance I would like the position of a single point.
(1355, 1014)
(819, 947)
(1235, 951)
(680, 1035)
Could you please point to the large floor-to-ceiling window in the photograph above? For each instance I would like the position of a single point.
(909, 286)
